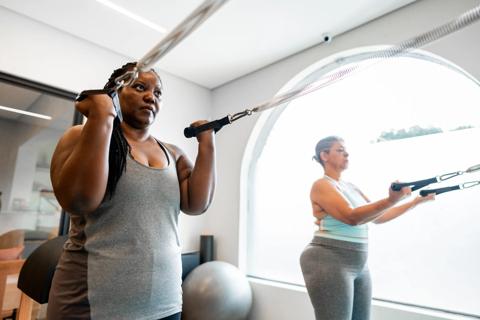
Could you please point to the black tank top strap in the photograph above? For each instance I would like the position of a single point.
(164, 150)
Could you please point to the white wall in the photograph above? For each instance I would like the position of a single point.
(37, 52)
(225, 218)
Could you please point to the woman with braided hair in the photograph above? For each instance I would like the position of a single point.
(124, 190)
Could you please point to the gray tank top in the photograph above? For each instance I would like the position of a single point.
(134, 254)
(334, 229)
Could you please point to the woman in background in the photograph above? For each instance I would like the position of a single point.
(334, 264)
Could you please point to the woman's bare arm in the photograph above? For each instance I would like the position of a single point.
(330, 200)
(79, 169)
(397, 211)
(197, 182)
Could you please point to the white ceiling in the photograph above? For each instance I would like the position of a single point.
(241, 37)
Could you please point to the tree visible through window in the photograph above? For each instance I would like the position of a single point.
(407, 118)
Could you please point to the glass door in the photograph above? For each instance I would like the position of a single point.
(33, 117)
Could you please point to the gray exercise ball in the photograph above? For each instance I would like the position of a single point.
(216, 290)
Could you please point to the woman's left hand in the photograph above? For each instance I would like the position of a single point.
(206, 135)
(421, 199)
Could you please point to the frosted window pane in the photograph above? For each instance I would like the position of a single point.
(428, 257)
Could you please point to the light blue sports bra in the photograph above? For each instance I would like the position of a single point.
(335, 229)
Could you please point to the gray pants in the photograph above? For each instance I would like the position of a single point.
(337, 279)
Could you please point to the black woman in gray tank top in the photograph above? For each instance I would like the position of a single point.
(124, 190)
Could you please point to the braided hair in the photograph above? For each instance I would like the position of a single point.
(119, 147)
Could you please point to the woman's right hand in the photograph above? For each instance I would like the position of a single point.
(98, 105)
(396, 196)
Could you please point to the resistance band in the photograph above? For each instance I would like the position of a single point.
(187, 26)
(415, 185)
(464, 185)
(458, 23)
(208, 7)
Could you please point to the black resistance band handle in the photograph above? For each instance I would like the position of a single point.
(84, 94)
(425, 193)
(215, 125)
(396, 186)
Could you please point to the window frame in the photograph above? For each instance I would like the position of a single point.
(267, 121)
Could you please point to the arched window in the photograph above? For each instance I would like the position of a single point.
(408, 118)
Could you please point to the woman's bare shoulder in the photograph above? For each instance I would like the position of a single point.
(320, 183)
(176, 151)
(70, 137)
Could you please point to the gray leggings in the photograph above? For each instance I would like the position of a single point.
(337, 279)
